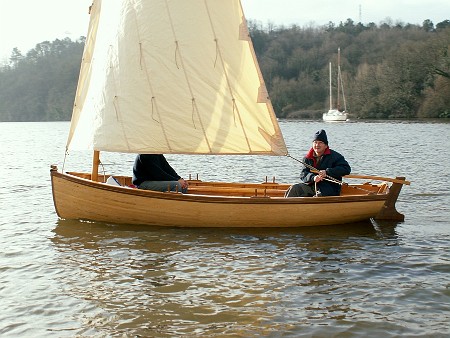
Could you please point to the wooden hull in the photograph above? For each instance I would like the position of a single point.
(80, 198)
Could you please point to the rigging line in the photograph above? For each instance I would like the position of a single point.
(140, 55)
(66, 153)
(183, 67)
(153, 109)
(116, 106)
(230, 89)
(112, 54)
(342, 87)
(144, 68)
(217, 52)
(103, 168)
(234, 111)
(194, 109)
(316, 190)
(176, 52)
(327, 177)
(116, 109)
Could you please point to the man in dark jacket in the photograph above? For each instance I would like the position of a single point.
(153, 172)
(328, 163)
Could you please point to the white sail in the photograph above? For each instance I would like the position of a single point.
(172, 76)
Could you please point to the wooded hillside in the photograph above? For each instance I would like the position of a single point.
(389, 71)
(40, 86)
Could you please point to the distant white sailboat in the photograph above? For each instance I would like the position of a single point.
(337, 114)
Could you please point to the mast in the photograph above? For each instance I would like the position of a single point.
(342, 89)
(331, 91)
(338, 79)
(95, 164)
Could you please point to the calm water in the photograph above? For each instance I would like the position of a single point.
(65, 278)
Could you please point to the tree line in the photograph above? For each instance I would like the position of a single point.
(41, 85)
(388, 70)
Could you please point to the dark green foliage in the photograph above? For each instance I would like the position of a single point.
(389, 71)
(41, 85)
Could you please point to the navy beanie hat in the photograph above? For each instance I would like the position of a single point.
(321, 135)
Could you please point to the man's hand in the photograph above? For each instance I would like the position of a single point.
(183, 183)
(320, 176)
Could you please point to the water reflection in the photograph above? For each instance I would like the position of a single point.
(156, 281)
(385, 229)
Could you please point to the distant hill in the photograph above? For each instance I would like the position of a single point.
(40, 86)
(400, 71)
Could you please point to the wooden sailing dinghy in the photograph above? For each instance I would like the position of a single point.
(181, 77)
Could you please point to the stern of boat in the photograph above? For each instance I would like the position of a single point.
(389, 212)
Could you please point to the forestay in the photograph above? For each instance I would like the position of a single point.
(172, 76)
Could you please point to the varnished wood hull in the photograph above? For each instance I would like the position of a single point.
(79, 198)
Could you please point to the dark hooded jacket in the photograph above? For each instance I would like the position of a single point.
(152, 167)
(333, 163)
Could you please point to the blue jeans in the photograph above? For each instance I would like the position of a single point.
(162, 186)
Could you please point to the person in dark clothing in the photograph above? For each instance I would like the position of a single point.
(153, 172)
(328, 163)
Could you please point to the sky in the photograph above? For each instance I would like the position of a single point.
(23, 24)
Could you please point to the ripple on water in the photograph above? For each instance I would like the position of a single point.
(379, 279)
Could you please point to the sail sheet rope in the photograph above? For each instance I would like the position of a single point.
(327, 177)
